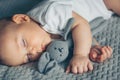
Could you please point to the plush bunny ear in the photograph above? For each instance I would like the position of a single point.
(43, 61)
(95, 28)
(68, 28)
(47, 65)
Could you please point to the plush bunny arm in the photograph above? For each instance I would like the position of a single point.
(47, 65)
(43, 61)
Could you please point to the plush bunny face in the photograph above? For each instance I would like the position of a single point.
(58, 50)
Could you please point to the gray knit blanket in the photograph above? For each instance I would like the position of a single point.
(107, 32)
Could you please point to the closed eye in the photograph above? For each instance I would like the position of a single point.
(24, 43)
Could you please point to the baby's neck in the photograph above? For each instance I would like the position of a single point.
(52, 36)
(55, 36)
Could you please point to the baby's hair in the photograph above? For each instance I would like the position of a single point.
(2, 25)
(6, 18)
(1, 62)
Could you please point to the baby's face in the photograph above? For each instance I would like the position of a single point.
(22, 43)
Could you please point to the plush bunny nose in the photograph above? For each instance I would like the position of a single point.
(60, 49)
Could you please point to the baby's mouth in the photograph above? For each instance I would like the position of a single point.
(43, 48)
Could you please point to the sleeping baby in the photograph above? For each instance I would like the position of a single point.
(23, 37)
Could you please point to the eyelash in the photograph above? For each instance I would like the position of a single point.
(24, 43)
(28, 55)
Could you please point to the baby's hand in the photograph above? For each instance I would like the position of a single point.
(100, 53)
(79, 64)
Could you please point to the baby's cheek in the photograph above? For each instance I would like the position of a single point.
(25, 60)
(36, 56)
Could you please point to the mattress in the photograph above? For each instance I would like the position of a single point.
(107, 32)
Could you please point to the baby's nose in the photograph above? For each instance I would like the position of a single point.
(34, 51)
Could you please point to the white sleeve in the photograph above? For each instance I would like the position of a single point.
(53, 15)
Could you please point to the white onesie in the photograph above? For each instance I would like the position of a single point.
(90, 9)
(54, 14)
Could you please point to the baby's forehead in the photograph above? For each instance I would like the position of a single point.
(9, 52)
(7, 41)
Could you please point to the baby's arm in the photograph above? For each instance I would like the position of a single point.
(82, 43)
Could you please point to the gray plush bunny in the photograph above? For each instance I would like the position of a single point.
(56, 52)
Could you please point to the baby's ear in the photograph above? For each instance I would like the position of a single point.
(20, 18)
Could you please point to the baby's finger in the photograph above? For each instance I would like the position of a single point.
(90, 66)
(107, 51)
(104, 53)
(100, 58)
(74, 69)
(110, 51)
(80, 69)
(97, 46)
(110, 48)
(97, 49)
(68, 69)
(85, 68)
